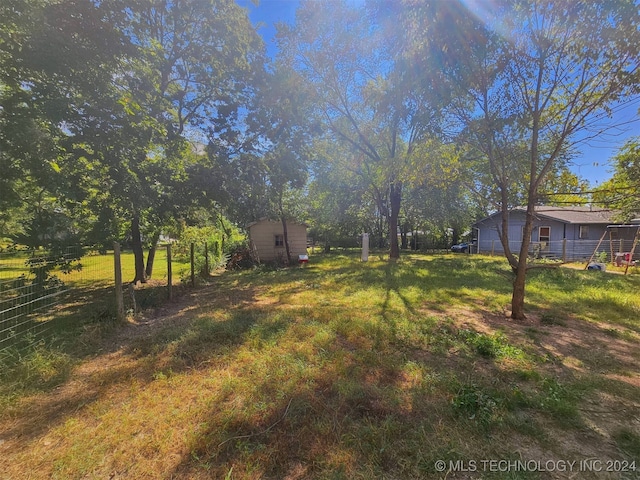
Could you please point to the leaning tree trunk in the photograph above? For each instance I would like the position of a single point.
(455, 236)
(152, 255)
(138, 253)
(395, 197)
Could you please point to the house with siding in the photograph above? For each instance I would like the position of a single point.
(567, 233)
(267, 240)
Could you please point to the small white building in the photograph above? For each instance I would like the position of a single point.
(267, 239)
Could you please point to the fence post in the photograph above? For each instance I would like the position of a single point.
(493, 245)
(118, 279)
(169, 273)
(193, 272)
(564, 250)
(206, 259)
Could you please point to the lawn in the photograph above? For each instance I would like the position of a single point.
(344, 370)
(95, 270)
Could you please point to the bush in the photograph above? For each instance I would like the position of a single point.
(205, 259)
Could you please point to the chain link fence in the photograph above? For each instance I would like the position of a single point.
(565, 250)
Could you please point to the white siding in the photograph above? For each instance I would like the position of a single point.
(263, 235)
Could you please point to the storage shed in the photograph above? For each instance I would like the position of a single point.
(267, 239)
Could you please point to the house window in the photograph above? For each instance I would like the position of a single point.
(584, 232)
(544, 234)
(279, 240)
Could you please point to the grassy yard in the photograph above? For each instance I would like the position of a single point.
(96, 270)
(341, 370)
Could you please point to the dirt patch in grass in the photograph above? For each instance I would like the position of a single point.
(602, 370)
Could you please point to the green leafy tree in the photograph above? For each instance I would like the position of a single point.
(53, 57)
(545, 76)
(563, 188)
(339, 198)
(366, 92)
(622, 191)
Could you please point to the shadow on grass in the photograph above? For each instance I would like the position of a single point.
(181, 344)
(308, 394)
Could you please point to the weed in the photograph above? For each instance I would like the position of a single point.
(491, 346)
(476, 404)
(35, 369)
(560, 401)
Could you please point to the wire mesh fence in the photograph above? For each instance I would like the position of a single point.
(32, 283)
(41, 288)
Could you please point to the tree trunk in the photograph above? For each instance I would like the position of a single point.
(395, 198)
(404, 239)
(455, 236)
(517, 298)
(152, 255)
(138, 253)
(285, 234)
(286, 240)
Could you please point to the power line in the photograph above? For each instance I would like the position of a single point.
(590, 192)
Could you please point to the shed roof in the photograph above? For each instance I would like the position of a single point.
(266, 219)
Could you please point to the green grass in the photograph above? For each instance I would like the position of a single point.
(95, 270)
(341, 369)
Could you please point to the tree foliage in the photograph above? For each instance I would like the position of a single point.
(114, 95)
(367, 93)
(622, 191)
(543, 79)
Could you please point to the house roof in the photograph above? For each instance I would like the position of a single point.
(577, 214)
(574, 214)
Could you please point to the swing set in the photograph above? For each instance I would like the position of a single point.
(620, 258)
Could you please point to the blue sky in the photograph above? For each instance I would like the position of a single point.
(593, 162)
(268, 13)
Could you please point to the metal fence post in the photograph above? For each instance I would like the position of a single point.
(118, 280)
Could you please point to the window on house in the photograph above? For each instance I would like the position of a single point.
(584, 232)
(279, 240)
(544, 234)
